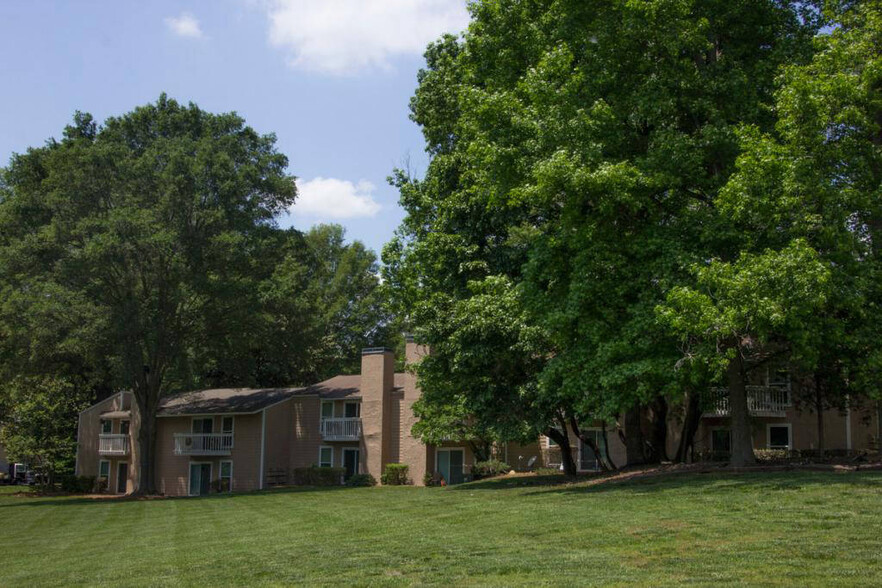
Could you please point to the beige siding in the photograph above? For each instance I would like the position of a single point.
(89, 427)
(305, 412)
(804, 429)
(279, 442)
(173, 471)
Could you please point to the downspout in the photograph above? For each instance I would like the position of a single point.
(262, 445)
(77, 458)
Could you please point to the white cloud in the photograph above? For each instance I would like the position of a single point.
(347, 36)
(184, 25)
(336, 199)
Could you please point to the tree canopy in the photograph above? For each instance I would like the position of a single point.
(144, 254)
(581, 154)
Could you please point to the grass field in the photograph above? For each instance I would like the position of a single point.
(770, 528)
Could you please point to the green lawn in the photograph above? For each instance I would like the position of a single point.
(770, 528)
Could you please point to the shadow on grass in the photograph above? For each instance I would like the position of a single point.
(698, 481)
(33, 500)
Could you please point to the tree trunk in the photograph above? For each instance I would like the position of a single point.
(606, 455)
(691, 421)
(658, 434)
(146, 396)
(742, 438)
(819, 408)
(566, 452)
(634, 442)
(589, 441)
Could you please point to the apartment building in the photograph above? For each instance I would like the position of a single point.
(777, 422)
(249, 439)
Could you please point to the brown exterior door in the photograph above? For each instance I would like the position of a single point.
(122, 471)
(350, 462)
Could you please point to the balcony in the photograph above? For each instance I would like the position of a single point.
(113, 444)
(762, 401)
(203, 443)
(341, 429)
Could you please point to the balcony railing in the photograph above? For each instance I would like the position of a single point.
(342, 429)
(203, 443)
(768, 401)
(113, 444)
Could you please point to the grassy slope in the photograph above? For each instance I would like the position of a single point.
(797, 528)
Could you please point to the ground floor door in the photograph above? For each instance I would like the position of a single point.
(450, 464)
(350, 461)
(122, 474)
(200, 478)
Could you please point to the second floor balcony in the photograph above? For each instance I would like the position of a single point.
(113, 444)
(341, 429)
(762, 401)
(203, 443)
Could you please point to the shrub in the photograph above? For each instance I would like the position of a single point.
(318, 476)
(79, 484)
(435, 479)
(490, 468)
(395, 474)
(361, 480)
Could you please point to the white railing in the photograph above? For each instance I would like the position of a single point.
(761, 401)
(203, 443)
(113, 444)
(341, 429)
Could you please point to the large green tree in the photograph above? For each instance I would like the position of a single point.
(577, 152)
(131, 240)
(810, 185)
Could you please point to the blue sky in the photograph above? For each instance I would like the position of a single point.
(332, 78)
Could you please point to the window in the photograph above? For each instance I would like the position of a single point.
(227, 429)
(203, 425)
(327, 409)
(778, 436)
(226, 476)
(124, 427)
(352, 410)
(103, 469)
(106, 427)
(326, 457)
(587, 460)
(721, 441)
(549, 442)
(778, 375)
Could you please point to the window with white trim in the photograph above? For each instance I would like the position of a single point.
(106, 427)
(327, 409)
(204, 425)
(103, 469)
(352, 410)
(779, 437)
(226, 476)
(326, 457)
(549, 442)
(227, 429)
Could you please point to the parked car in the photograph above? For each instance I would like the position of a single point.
(21, 474)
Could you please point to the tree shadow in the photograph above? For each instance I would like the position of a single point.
(35, 500)
(719, 479)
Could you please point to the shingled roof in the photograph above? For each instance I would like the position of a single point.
(344, 386)
(223, 400)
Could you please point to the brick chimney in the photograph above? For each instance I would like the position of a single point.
(377, 381)
(413, 452)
